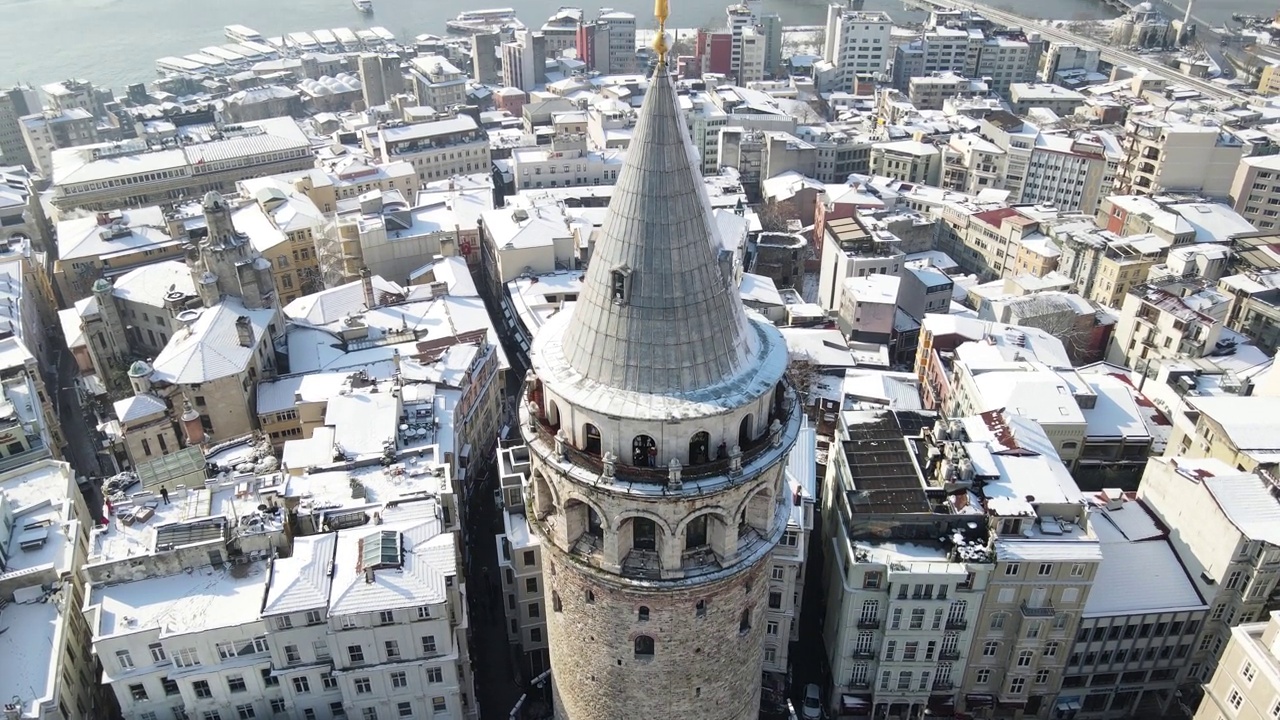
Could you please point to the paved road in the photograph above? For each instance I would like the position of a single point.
(497, 687)
(81, 450)
(1109, 54)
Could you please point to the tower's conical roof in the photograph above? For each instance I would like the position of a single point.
(680, 326)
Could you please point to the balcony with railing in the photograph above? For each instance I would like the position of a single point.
(957, 624)
(868, 623)
(1037, 611)
(951, 654)
(864, 653)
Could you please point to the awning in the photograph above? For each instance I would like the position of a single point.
(979, 700)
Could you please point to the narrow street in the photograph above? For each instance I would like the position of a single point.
(80, 450)
(809, 658)
(497, 686)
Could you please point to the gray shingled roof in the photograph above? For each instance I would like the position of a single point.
(682, 327)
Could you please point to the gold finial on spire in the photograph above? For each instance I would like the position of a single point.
(660, 40)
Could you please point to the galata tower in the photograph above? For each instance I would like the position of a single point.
(659, 420)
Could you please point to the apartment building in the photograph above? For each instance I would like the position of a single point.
(389, 237)
(850, 249)
(383, 634)
(437, 82)
(439, 149)
(1255, 308)
(1225, 537)
(1246, 684)
(1006, 59)
(622, 40)
(283, 225)
(53, 129)
(1072, 172)
(567, 162)
(133, 173)
(939, 50)
(986, 242)
(1054, 98)
(1140, 623)
(1044, 560)
(857, 46)
(1255, 190)
(910, 161)
(1171, 319)
(520, 563)
(524, 61)
(1177, 156)
(1104, 267)
(16, 102)
(44, 533)
(930, 92)
(904, 580)
(971, 164)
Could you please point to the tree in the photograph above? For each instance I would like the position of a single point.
(774, 216)
(802, 373)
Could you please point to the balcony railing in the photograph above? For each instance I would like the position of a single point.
(944, 685)
(949, 655)
(957, 624)
(864, 654)
(869, 624)
(661, 474)
(1039, 611)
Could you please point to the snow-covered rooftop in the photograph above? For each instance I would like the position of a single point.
(202, 599)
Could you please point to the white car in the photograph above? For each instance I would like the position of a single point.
(812, 709)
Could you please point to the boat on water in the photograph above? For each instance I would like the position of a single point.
(364, 6)
(348, 39)
(240, 33)
(302, 41)
(383, 34)
(328, 42)
(478, 21)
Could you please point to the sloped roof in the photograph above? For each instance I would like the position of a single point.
(682, 327)
(302, 581)
(150, 283)
(326, 306)
(138, 407)
(427, 559)
(211, 349)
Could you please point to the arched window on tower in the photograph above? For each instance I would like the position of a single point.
(595, 528)
(695, 535)
(699, 448)
(779, 400)
(643, 614)
(591, 439)
(744, 432)
(644, 647)
(644, 451)
(744, 622)
(644, 534)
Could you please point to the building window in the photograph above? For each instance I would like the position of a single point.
(393, 649)
(269, 680)
(1025, 657)
(328, 681)
(438, 705)
(355, 653)
(246, 711)
(186, 657)
(1045, 570)
(642, 614)
(1248, 672)
(644, 647)
(1235, 699)
(435, 675)
(531, 585)
(404, 709)
(990, 648)
(201, 689)
(386, 617)
(235, 684)
(157, 652)
(428, 645)
(399, 680)
(138, 692)
(1017, 685)
(700, 610)
(363, 686)
(982, 677)
(744, 622)
(1011, 569)
(124, 660)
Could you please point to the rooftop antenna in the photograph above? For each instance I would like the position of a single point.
(661, 10)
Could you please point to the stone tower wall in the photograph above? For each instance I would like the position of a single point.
(702, 667)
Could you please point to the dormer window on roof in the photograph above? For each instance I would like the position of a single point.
(382, 550)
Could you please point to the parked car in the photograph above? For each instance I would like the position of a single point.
(812, 709)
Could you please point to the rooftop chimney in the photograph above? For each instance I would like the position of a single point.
(366, 281)
(244, 331)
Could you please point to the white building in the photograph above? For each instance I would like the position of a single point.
(858, 45)
(437, 83)
(439, 149)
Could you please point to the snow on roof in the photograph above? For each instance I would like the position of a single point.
(1029, 480)
(823, 347)
(138, 407)
(759, 289)
(418, 576)
(363, 422)
(1116, 412)
(452, 271)
(1250, 422)
(302, 581)
(1213, 222)
(203, 599)
(31, 633)
(132, 229)
(149, 284)
(211, 348)
(1137, 575)
(1246, 501)
(898, 390)
(333, 304)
